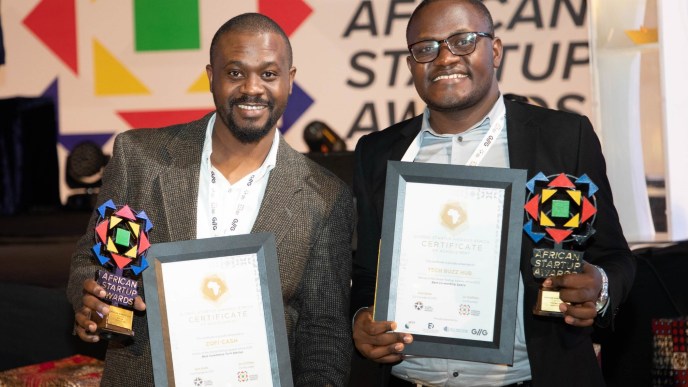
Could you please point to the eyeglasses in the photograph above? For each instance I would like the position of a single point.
(459, 44)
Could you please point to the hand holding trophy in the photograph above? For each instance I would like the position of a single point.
(561, 209)
(121, 245)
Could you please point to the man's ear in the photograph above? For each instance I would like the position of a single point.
(497, 52)
(209, 72)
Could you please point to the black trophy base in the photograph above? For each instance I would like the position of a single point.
(548, 302)
(118, 322)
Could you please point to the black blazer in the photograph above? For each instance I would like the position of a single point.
(539, 140)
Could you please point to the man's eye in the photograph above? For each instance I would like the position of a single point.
(426, 49)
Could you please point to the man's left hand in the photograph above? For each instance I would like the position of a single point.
(579, 293)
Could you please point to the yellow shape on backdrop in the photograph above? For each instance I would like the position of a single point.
(111, 77)
(201, 85)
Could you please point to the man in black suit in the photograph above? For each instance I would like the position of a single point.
(453, 61)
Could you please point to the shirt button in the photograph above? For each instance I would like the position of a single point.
(456, 373)
(459, 139)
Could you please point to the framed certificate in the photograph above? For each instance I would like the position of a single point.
(448, 269)
(215, 313)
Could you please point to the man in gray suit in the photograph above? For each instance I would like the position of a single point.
(232, 173)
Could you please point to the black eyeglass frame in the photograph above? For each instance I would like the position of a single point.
(446, 40)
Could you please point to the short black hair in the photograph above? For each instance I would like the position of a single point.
(477, 4)
(251, 22)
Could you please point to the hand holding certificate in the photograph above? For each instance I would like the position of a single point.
(449, 258)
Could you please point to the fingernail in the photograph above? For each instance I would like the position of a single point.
(547, 283)
(95, 339)
(393, 326)
(104, 310)
(399, 347)
(407, 339)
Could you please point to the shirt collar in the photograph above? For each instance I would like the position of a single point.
(484, 122)
(268, 164)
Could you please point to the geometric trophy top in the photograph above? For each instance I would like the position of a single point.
(560, 208)
(122, 238)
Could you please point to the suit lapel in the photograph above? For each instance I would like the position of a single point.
(179, 181)
(522, 137)
(278, 205)
(408, 134)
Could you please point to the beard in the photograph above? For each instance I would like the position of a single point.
(248, 134)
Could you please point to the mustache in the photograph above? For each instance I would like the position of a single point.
(251, 100)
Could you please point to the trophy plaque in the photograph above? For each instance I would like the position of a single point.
(121, 244)
(561, 210)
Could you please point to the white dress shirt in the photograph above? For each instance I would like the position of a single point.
(230, 209)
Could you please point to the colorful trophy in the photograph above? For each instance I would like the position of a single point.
(560, 209)
(121, 245)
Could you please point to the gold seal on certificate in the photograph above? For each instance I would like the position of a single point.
(453, 215)
(121, 244)
(560, 209)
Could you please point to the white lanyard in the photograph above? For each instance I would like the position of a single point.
(218, 221)
(479, 153)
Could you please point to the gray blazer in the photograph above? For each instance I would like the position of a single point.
(308, 209)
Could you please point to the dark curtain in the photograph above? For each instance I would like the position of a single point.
(29, 176)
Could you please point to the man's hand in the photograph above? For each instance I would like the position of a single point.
(579, 293)
(91, 300)
(375, 341)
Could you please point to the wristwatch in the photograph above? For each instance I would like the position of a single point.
(604, 293)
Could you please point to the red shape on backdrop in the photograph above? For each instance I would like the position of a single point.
(121, 261)
(54, 23)
(160, 118)
(557, 234)
(289, 14)
(588, 210)
(532, 207)
(561, 181)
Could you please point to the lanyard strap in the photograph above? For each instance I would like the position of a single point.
(218, 225)
(496, 127)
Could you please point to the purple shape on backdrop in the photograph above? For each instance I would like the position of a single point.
(51, 92)
(299, 102)
(69, 141)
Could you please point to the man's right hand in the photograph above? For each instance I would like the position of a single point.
(91, 300)
(85, 327)
(375, 339)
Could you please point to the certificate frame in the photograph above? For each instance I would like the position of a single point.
(498, 350)
(200, 251)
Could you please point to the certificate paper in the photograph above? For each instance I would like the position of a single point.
(448, 269)
(217, 330)
(215, 313)
(449, 262)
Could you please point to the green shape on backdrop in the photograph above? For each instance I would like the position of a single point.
(166, 25)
